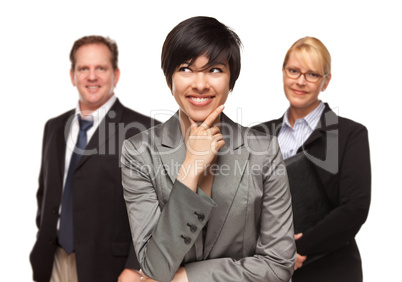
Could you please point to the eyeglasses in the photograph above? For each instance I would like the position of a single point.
(309, 76)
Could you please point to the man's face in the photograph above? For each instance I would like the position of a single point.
(94, 76)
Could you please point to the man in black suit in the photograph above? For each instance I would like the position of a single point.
(83, 227)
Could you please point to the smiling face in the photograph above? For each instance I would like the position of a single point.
(199, 90)
(94, 76)
(303, 95)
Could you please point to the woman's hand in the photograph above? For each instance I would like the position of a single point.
(145, 278)
(202, 143)
(300, 259)
(181, 275)
(129, 275)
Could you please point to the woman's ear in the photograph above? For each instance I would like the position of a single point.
(326, 82)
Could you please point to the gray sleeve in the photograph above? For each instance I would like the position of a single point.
(161, 237)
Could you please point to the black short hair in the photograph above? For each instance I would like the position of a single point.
(198, 36)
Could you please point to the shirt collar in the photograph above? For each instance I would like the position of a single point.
(311, 119)
(98, 115)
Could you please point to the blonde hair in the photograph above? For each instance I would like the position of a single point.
(316, 49)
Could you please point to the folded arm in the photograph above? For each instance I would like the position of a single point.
(344, 221)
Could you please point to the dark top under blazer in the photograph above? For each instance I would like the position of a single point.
(248, 218)
(339, 149)
(102, 235)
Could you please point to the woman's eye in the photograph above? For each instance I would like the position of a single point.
(313, 75)
(215, 70)
(185, 69)
(294, 71)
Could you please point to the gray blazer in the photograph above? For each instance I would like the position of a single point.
(243, 232)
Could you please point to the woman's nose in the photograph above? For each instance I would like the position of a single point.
(200, 82)
(301, 80)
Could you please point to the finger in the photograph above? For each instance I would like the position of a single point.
(220, 144)
(217, 137)
(217, 145)
(192, 123)
(298, 236)
(211, 131)
(214, 130)
(192, 128)
(213, 116)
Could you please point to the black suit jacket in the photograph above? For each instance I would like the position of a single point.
(102, 236)
(339, 151)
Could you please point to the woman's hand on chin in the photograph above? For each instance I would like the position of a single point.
(202, 143)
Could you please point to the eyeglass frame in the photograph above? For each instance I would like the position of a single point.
(304, 74)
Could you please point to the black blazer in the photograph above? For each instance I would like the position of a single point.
(339, 151)
(103, 243)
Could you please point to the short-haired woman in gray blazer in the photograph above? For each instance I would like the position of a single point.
(207, 199)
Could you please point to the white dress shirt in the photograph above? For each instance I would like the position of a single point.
(97, 117)
(292, 138)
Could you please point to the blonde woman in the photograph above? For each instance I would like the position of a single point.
(328, 164)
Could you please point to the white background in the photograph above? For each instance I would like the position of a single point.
(364, 38)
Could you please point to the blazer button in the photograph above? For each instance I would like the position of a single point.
(200, 216)
(187, 240)
(193, 228)
(55, 211)
(51, 242)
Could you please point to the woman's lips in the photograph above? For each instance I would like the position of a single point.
(299, 92)
(200, 101)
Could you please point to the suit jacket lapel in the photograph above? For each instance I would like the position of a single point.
(325, 139)
(273, 127)
(234, 156)
(172, 149)
(62, 133)
(328, 122)
(104, 132)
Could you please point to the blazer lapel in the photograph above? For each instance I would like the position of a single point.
(328, 122)
(326, 141)
(172, 149)
(234, 156)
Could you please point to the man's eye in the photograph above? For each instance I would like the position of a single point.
(83, 69)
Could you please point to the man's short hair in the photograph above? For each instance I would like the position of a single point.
(201, 36)
(95, 39)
